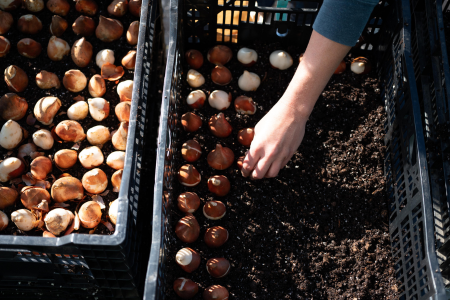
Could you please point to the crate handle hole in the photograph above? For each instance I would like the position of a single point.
(282, 34)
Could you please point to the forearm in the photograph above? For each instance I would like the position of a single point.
(321, 58)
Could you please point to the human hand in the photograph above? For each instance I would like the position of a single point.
(277, 136)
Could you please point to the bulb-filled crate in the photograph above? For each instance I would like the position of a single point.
(406, 44)
(100, 262)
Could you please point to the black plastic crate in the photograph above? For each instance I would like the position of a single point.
(406, 42)
(102, 266)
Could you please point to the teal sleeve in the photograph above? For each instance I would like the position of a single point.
(343, 21)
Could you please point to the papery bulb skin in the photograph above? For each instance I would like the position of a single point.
(219, 126)
(220, 158)
(189, 176)
(245, 105)
(194, 58)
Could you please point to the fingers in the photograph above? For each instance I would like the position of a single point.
(261, 168)
(250, 161)
(274, 169)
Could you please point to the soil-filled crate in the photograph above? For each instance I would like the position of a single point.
(106, 261)
(403, 104)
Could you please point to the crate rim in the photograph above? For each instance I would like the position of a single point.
(119, 235)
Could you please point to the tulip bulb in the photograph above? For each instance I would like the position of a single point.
(119, 138)
(220, 100)
(216, 236)
(29, 48)
(90, 214)
(87, 7)
(221, 158)
(66, 158)
(245, 136)
(194, 58)
(185, 288)
(67, 188)
(98, 135)
(91, 157)
(247, 57)
(4, 221)
(29, 24)
(83, 26)
(46, 109)
(11, 135)
(129, 60)
(5, 45)
(6, 21)
(218, 267)
(221, 75)
(219, 126)
(78, 111)
(134, 6)
(116, 160)
(219, 55)
(74, 80)
(81, 52)
(40, 167)
(191, 122)
(8, 197)
(360, 65)
(16, 79)
(195, 79)
(133, 33)
(118, 8)
(58, 26)
(245, 105)
(214, 210)
(123, 110)
(188, 259)
(34, 5)
(43, 139)
(10, 168)
(125, 90)
(70, 131)
(191, 151)
(280, 59)
(12, 107)
(98, 108)
(26, 150)
(249, 81)
(104, 56)
(58, 219)
(32, 196)
(24, 219)
(189, 176)
(219, 185)
(95, 181)
(59, 7)
(116, 180)
(196, 99)
(187, 229)
(113, 210)
(57, 48)
(108, 30)
(47, 80)
(188, 202)
(97, 87)
(215, 292)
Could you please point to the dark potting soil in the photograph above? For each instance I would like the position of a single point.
(32, 94)
(319, 230)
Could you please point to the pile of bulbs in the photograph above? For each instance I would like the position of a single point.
(28, 169)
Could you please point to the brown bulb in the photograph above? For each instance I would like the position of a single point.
(8, 196)
(219, 185)
(81, 52)
(12, 107)
(215, 292)
(5, 45)
(341, 68)
(57, 48)
(59, 7)
(187, 229)
(74, 81)
(218, 267)
(221, 75)
(188, 202)
(6, 21)
(219, 55)
(66, 158)
(191, 122)
(97, 86)
(32, 196)
(58, 26)
(194, 58)
(245, 105)
(214, 210)
(245, 136)
(118, 8)
(133, 33)
(67, 188)
(191, 151)
(87, 7)
(108, 30)
(134, 6)
(16, 79)
(129, 60)
(122, 111)
(47, 80)
(111, 72)
(216, 236)
(220, 158)
(240, 162)
(219, 126)
(189, 176)
(188, 259)
(70, 131)
(90, 214)
(29, 24)
(29, 48)
(40, 167)
(185, 288)
(83, 26)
